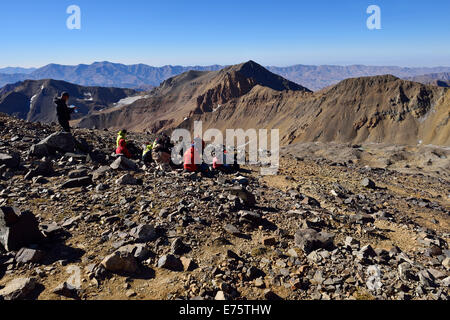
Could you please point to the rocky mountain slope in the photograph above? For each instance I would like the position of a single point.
(374, 109)
(33, 100)
(90, 226)
(141, 76)
(371, 109)
(192, 93)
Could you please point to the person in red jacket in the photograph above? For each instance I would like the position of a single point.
(190, 157)
(122, 149)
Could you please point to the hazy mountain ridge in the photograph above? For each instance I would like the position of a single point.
(141, 76)
(16, 70)
(319, 77)
(438, 79)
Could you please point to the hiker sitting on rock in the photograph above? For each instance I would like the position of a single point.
(132, 149)
(63, 111)
(192, 159)
(122, 149)
(161, 152)
(147, 153)
(222, 166)
(121, 135)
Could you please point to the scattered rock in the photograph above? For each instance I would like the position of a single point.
(11, 161)
(121, 262)
(367, 183)
(67, 290)
(18, 289)
(124, 163)
(309, 240)
(143, 233)
(26, 255)
(78, 173)
(130, 293)
(247, 197)
(140, 251)
(170, 262)
(220, 296)
(188, 264)
(77, 183)
(126, 179)
(232, 230)
(179, 248)
(269, 241)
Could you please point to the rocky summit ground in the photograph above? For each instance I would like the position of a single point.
(320, 229)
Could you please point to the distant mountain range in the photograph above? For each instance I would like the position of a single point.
(144, 77)
(14, 70)
(319, 77)
(437, 79)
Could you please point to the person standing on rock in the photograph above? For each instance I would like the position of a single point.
(63, 111)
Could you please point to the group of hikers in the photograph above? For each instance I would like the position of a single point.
(158, 152)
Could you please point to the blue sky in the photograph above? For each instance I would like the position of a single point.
(198, 32)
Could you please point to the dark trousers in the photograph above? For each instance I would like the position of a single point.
(64, 123)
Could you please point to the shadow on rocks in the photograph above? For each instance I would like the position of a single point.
(38, 289)
(61, 252)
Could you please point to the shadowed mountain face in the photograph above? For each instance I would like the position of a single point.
(144, 77)
(33, 100)
(369, 109)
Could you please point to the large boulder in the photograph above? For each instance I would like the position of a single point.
(143, 233)
(18, 229)
(124, 163)
(139, 250)
(77, 182)
(18, 289)
(67, 290)
(80, 173)
(11, 161)
(310, 240)
(59, 141)
(39, 150)
(100, 172)
(127, 179)
(121, 262)
(170, 262)
(247, 197)
(43, 168)
(26, 255)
